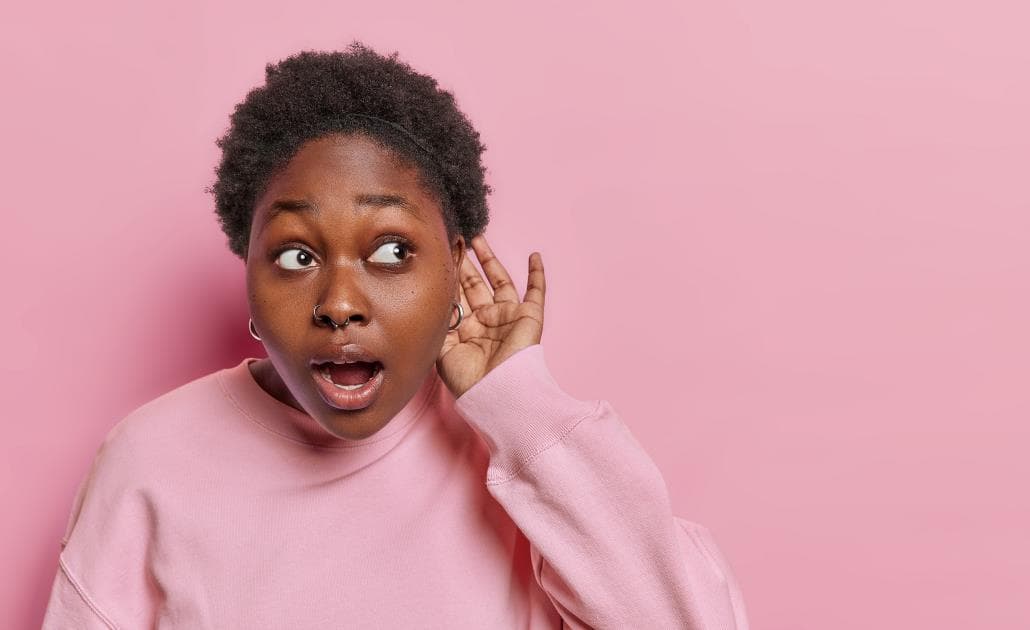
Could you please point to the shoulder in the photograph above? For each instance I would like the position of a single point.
(164, 425)
(135, 474)
(145, 448)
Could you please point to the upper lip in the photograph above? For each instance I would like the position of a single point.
(349, 353)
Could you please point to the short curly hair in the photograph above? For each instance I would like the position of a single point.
(312, 94)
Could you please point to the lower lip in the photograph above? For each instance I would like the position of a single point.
(349, 399)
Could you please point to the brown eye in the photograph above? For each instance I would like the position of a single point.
(390, 253)
(294, 258)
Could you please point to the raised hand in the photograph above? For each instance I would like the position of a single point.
(497, 323)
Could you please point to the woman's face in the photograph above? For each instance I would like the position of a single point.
(348, 226)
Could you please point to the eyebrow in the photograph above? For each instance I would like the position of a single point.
(363, 201)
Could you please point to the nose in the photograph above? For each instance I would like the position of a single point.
(342, 300)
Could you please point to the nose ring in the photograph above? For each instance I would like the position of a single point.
(332, 322)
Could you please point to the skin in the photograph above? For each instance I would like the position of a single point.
(399, 301)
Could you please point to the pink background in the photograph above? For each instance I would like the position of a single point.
(789, 241)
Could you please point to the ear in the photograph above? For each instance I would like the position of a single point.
(458, 249)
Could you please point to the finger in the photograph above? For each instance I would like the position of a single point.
(536, 286)
(473, 287)
(504, 289)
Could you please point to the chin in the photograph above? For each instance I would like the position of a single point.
(352, 425)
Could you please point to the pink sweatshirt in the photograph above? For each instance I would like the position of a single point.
(216, 506)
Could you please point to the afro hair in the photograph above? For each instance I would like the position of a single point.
(312, 94)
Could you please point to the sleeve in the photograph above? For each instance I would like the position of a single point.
(70, 607)
(604, 543)
(102, 580)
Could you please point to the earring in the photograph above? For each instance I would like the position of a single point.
(253, 333)
(461, 315)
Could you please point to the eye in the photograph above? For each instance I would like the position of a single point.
(294, 258)
(390, 253)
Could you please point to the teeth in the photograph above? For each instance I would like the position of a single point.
(350, 386)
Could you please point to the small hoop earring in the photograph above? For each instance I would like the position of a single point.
(253, 333)
(461, 316)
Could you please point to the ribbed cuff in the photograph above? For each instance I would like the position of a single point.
(520, 411)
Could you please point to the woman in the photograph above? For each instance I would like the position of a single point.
(402, 458)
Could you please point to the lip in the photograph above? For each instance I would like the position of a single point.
(349, 353)
(347, 399)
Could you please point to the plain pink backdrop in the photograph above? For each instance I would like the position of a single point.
(804, 225)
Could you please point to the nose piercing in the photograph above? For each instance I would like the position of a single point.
(330, 320)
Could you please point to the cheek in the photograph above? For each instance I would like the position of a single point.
(259, 293)
(420, 309)
(418, 305)
(279, 307)
(255, 293)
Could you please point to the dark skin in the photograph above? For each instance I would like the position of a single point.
(339, 248)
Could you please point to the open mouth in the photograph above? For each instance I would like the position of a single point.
(349, 376)
(348, 385)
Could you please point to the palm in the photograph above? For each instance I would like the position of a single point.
(496, 324)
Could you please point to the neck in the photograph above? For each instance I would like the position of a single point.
(269, 380)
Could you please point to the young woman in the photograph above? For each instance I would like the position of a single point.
(402, 458)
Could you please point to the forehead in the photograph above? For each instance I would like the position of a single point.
(336, 170)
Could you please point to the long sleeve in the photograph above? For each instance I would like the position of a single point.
(102, 563)
(604, 543)
(71, 607)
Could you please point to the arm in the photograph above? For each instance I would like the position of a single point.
(604, 543)
(103, 553)
(71, 607)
